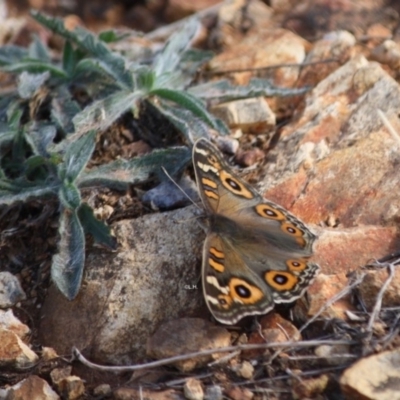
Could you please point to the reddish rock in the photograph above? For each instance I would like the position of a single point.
(373, 283)
(184, 336)
(31, 388)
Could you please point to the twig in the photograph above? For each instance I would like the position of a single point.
(224, 359)
(302, 374)
(378, 302)
(283, 331)
(181, 381)
(303, 344)
(392, 334)
(276, 66)
(314, 357)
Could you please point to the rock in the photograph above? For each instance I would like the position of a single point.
(102, 390)
(10, 290)
(69, 386)
(239, 393)
(250, 115)
(178, 9)
(310, 388)
(48, 353)
(187, 335)
(340, 250)
(213, 392)
(14, 352)
(373, 378)
(353, 180)
(372, 284)
(324, 288)
(332, 354)
(72, 387)
(337, 45)
(249, 157)
(32, 387)
(125, 393)
(126, 295)
(279, 46)
(169, 195)
(387, 52)
(236, 17)
(193, 390)
(57, 375)
(227, 144)
(273, 329)
(245, 370)
(10, 322)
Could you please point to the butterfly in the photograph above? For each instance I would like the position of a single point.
(255, 253)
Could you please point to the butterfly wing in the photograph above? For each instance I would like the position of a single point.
(253, 246)
(231, 289)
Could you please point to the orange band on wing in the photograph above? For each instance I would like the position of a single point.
(209, 183)
(211, 194)
(216, 253)
(216, 265)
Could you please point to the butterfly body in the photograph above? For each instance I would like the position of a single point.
(256, 253)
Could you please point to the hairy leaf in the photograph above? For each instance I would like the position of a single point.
(69, 196)
(11, 192)
(223, 90)
(171, 56)
(69, 59)
(109, 68)
(63, 110)
(113, 62)
(12, 54)
(29, 84)
(37, 50)
(68, 264)
(120, 174)
(112, 36)
(181, 78)
(40, 136)
(98, 229)
(6, 136)
(192, 104)
(76, 157)
(35, 67)
(192, 127)
(102, 113)
(14, 115)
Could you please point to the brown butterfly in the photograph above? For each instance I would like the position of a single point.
(256, 253)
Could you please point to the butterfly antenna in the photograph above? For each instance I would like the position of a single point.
(176, 184)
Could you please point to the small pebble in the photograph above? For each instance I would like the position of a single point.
(193, 389)
(245, 370)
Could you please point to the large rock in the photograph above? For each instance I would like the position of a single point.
(153, 277)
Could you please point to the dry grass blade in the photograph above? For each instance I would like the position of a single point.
(378, 304)
(77, 355)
